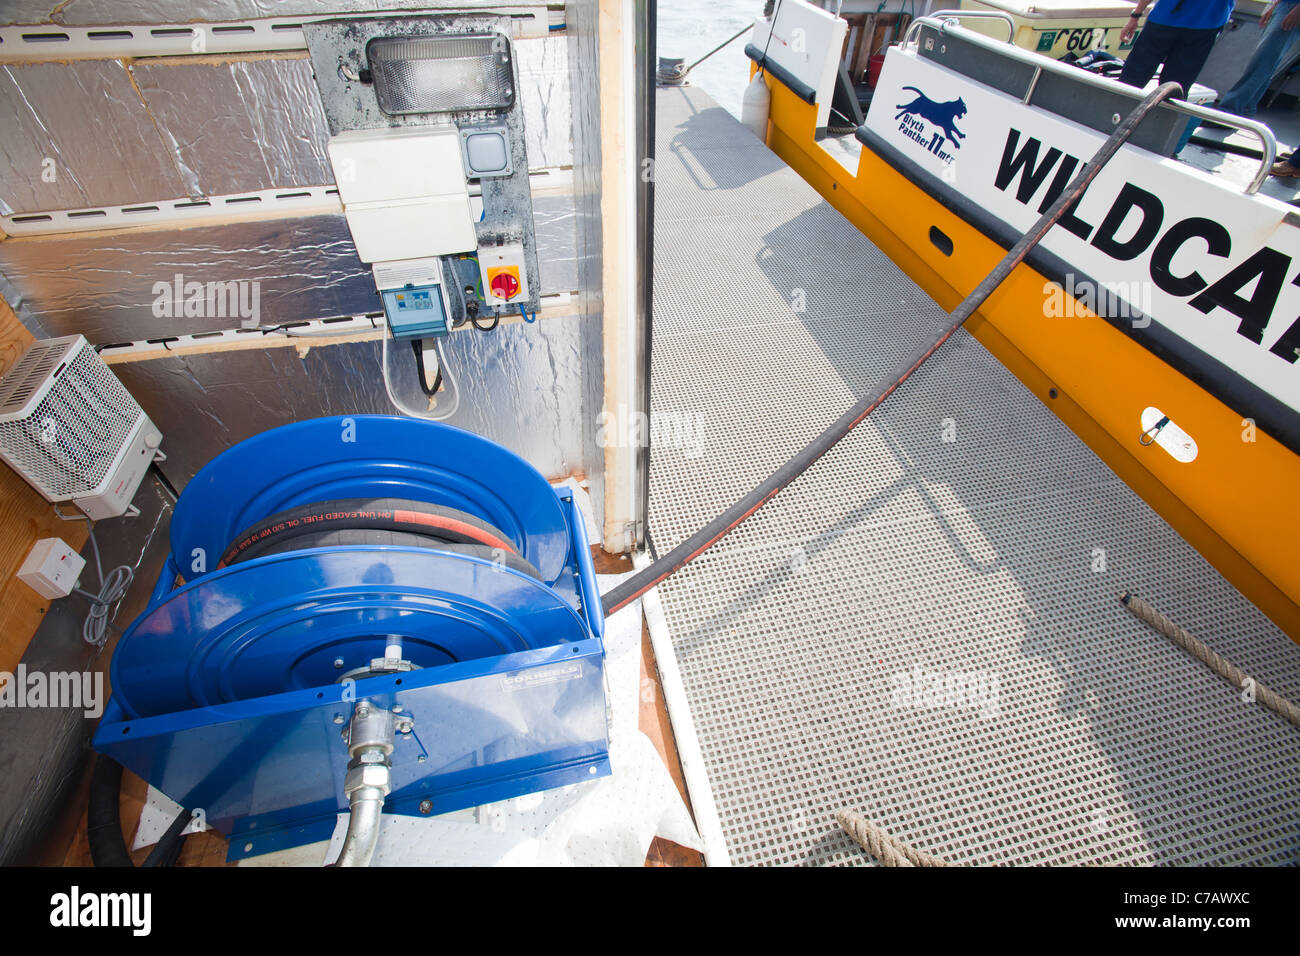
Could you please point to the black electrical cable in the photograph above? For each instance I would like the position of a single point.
(417, 345)
(496, 320)
(771, 31)
(164, 481)
(636, 585)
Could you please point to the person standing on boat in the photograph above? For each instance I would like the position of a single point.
(1279, 24)
(1178, 34)
(1177, 40)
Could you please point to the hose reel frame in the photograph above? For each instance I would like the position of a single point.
(269, 769)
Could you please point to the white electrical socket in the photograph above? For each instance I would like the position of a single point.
(51, 568)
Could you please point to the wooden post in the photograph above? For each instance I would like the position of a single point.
(863, 55)
(621, 306)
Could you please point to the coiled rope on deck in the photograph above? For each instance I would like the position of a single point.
(890, 851)
(1198, 649)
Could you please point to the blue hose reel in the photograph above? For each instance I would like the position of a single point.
(231, 690)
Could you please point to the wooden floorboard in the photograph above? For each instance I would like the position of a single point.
(653, 721)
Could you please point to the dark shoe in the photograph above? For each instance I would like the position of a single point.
(1284, 170)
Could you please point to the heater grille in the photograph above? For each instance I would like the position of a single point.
(64, 418)
(442, 73)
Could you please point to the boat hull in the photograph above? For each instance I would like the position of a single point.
(1233, 503)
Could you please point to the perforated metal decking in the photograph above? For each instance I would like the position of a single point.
(1081, 735)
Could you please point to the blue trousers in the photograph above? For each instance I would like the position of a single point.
(1182, 51)
(1269, 55)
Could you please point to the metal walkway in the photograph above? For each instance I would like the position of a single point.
(961, 534)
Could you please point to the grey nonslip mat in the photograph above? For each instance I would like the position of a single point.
(926, 626)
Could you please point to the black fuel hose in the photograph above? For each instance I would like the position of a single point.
(387, 514)
(636, 585)
(350, 537)
(1222, 146)
(168, 849)
(104, 822)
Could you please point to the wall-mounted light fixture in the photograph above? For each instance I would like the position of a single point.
(439, 74)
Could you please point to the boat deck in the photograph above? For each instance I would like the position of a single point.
(962, 535)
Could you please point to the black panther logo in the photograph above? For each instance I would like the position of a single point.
(943, 115)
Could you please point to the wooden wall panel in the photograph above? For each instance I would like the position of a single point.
(25, 518)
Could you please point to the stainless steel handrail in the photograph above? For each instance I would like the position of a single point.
(946, 21)
(956, 16)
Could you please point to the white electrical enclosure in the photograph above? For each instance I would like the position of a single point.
(404, 192)
(51, 568)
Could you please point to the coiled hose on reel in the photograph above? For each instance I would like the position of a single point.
(337, 523)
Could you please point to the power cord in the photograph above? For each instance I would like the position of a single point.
(489, 326)
(430, 391)
(103, 606)
(449, 398)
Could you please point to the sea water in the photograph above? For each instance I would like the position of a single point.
(691, 28)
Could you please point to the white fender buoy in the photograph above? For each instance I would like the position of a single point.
(755, 106)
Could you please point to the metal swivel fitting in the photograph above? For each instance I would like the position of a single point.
(369, 778)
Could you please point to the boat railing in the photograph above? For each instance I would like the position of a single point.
(949, 22)
(959, 15)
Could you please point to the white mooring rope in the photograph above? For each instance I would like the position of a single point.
(889, 850)
(1225, 669)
